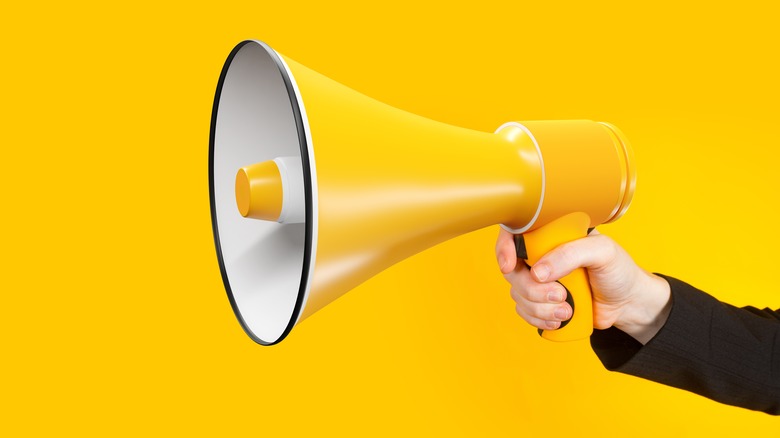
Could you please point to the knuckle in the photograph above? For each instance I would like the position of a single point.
(539, 311)
(605, 241)
(609, 247)
(539, 294)
(514, 293)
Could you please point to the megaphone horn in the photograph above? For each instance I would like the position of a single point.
(315, 188)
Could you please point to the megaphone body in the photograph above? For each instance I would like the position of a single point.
(315, 188)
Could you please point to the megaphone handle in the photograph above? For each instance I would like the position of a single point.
(534, 244)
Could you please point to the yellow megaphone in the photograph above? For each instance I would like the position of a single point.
(315, 188)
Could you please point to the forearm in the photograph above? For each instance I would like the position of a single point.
(706, 347)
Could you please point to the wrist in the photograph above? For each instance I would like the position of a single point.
(648, 311)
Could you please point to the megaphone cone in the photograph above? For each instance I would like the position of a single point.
(345, 186)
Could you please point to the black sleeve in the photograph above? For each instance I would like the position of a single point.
(722, 352)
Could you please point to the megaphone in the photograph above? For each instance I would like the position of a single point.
(315, 188)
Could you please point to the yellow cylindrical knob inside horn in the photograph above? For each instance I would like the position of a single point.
(259, 192)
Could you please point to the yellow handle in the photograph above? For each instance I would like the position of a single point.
(543, 240)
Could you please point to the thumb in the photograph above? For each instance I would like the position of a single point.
(590, 252)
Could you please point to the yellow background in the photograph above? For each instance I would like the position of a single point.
(114, 320)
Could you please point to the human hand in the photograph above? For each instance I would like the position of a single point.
(624, 295)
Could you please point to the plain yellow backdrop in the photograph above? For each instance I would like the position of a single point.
(114, 320)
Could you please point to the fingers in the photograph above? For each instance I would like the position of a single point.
(539, 299)
(540, 304)
(592, 252)
(505, 251)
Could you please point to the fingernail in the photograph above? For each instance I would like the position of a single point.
(552, 325)
(555, 296)
(501, 262)
(541, 272)
(561, 313)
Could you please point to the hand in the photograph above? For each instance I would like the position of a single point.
(624, 295)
